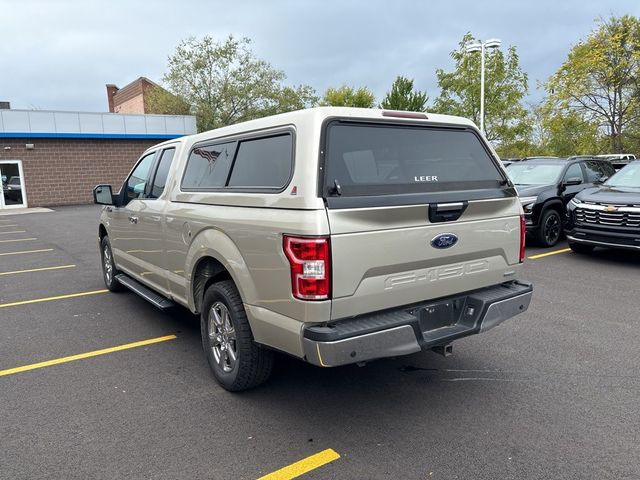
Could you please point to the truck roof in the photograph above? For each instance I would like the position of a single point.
(319, 114)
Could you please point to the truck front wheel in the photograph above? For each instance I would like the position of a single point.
(236, 360)
(109, 270)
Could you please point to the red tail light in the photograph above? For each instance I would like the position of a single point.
(310, 262)
(523, 234)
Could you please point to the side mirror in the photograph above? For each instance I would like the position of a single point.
(601, 179)
(102, 195)
(572, 181)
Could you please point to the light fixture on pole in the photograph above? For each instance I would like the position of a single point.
(481, 47)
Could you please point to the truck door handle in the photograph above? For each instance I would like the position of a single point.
(133, 219)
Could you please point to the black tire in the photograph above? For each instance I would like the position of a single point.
(550, 228)
(581, 248)
(109, 270)
(225, 335)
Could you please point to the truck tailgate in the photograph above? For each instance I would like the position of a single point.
(384, 258)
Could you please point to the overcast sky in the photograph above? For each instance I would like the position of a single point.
(59, 54)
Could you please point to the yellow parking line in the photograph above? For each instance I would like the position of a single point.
(27, 251)
(37, 269)
(15, 231)
(80, 356)
(18, 240)
(555, 252)
(303, 466)
(49, 299)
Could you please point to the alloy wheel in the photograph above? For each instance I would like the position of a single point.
(552, 229)
(222, 337)
(107, 264)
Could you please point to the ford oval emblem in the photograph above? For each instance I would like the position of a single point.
(444, 240)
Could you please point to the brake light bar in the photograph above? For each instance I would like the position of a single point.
(420, 116)
(310, 261)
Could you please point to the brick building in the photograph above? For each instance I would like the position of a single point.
(56, 158)
(131, 98)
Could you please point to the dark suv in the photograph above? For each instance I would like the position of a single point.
(609, 215)
(546, 185)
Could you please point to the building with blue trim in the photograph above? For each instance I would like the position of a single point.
(55, 158)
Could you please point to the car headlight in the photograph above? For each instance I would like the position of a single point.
(575, 202)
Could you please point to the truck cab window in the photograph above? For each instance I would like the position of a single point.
(162, 172)
(138, 179)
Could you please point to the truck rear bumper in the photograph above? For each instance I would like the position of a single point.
(416, 327)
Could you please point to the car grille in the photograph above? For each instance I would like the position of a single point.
(586, 215)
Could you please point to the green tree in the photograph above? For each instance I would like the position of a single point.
(600, 79)
(223, 82)
(506, 118)
(568, 134)
(346, 96)
(402, 96)
(160, 101)
(289, 99)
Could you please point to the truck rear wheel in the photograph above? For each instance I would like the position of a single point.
(236, 360)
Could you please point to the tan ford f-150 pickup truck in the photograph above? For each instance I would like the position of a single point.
(336, 235)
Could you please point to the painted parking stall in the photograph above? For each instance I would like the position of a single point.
(130, 381)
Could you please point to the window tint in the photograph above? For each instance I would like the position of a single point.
(597, 170)
(574, 171)
(162, 172)
(208, 166)
(263, 162)
(385, 159)
(608, 169)
(138, 178)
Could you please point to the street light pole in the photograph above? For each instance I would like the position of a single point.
(482, 88)
(482, 47)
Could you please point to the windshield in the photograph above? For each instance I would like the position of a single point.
(534, 173)
(629, 176)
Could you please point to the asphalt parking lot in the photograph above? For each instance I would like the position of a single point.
(125, 391)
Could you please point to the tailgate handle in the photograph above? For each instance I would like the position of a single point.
(446, 212)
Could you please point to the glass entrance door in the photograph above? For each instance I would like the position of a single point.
(13, 193)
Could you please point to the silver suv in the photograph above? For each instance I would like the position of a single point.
(336, 235)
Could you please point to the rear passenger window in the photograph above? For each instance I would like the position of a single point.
(208, 166)
(597, 170)
(607, 169)
(263, 163)
(162, 173)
